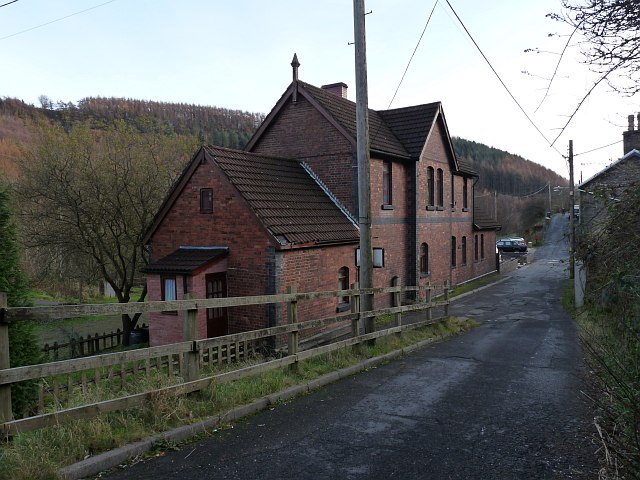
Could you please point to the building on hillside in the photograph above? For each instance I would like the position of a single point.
(284, 213)
(598, 192)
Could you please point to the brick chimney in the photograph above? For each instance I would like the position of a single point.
(339, 89)
(631, 138)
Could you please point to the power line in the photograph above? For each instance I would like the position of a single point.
(56, 20)
(597, 148)
(412, 55)
(8, 3)
(501, 81)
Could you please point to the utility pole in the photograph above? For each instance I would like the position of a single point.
(364, 175)
(549, 185)
(572, 232)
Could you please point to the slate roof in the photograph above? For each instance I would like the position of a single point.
(382, 138)
(185, 260)
(287, 200)
(412, 124)
(484, 220)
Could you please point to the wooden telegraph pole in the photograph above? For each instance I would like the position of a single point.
(572, 199)
(364, 175)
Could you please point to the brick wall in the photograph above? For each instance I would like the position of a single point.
(301, 132)
(231, 224)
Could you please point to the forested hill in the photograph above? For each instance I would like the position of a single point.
(211, 125)
(499, 171)
(504, 172)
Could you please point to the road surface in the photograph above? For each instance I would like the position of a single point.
(503, 401)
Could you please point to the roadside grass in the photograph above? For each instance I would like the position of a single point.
(470, 286)
(613, 358)
(40, 454)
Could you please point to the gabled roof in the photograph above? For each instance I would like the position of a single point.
(398, 133)
(185, 260)
(629, 155)
(382, 139)
(286, 199)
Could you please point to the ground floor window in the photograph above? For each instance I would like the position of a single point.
(464, 250)
(453, 251)
(169, 292)
(424, 259)
(343, 284)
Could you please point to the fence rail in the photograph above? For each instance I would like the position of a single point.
(61, 383)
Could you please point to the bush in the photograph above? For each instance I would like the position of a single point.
(24, 350)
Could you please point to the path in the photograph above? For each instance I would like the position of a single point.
(500, 402)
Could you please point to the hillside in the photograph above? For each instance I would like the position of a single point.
(500, 172)
(504, 172)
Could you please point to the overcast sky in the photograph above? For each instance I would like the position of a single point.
(236, 54)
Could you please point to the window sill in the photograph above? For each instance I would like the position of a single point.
(465, 209)
(386, 207)
(425, 275)
(431, 208)
(453, 209)
(440, 209)
(343, 307)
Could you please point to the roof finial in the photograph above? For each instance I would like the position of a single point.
(295, 64)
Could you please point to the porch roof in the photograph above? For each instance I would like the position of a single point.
(185, 260)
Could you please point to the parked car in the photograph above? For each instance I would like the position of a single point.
(511, 245)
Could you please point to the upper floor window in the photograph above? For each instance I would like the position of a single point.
(387, 184)
(440, 187)
(465, 193)
(206, 200)
(431, 194)
(464, 250)
(453, 252)
(424, 259)
(482, 246)
(453, 191)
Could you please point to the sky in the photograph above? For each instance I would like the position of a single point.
(237, 55)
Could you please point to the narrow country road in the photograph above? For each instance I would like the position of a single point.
(500, 402)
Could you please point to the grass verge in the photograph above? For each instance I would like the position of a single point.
(40, 454)
(613, 357)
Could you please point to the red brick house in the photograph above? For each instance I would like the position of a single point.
(284, 212)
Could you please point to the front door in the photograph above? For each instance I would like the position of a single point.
(216, 317)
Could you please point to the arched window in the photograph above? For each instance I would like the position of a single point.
(424, 259)
(387, 184)
(464, 250)
(465, 194)
(343, 284)
(453, 252)
(440, 187)
(431, 194)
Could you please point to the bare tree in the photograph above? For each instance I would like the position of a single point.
(87, 196)
(611, 33)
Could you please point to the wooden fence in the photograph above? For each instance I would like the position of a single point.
(188, 366)
(81, 346)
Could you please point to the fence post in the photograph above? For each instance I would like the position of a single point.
(292, 314)
(397, 302)
(190, 334)
(355, 308)
(428, 300)
(5, 390)
(446, 298)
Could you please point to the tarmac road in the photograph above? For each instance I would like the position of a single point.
(500, 402)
